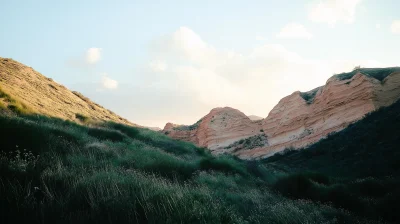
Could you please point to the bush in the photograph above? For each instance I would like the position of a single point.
(376, 73)
(82, 118)
(188, 127)
(310, 95)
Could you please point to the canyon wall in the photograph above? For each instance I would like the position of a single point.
(217, 130)
(299, 119)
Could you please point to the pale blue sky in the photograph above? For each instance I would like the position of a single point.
(160, 80)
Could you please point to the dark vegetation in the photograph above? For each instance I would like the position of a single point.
(188, 127)
(55, 171)
(249, 142)
(377, 73)
(82, 118)
(356, 169)
(310, 95)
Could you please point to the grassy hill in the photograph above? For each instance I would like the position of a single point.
(56, 171)
(356, 169)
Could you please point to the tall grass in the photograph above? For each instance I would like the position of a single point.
(360, 162)
(113, 173)
(12, 104)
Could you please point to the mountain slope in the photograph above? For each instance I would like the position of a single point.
(303, 118)
(56, 171)
(367, 148)
(42, 95)
(357, 168)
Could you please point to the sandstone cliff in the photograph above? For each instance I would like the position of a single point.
(304, 118)
(217, 130)
(301, 118)
(44, 96)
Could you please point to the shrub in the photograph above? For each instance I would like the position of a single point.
(188, 127)
(377, 73)
(82, 118)
(249, 143)
(310, 95)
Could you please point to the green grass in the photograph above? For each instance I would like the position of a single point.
(13, 105)
(188, 127)
(56, 171)
(114, 173)
(362, 163)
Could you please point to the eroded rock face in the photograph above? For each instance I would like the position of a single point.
(217, 130)
(44, 96)
(296, 123)
(299, 119)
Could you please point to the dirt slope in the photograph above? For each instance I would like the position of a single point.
(44, 96)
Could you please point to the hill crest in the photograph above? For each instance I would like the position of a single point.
(42, 95)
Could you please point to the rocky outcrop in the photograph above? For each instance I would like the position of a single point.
(44, 96)
(217, 130)
(304, 118)
(299, 119)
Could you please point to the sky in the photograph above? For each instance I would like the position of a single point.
(154, 62)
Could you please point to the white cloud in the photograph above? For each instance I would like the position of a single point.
(158, 66)
(260, 38)
(395, 27)
(333, 11)
(93, 55)
(108, 83)
(294, 31)
(378, 26)
(252, 82)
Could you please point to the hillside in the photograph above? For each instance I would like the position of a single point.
(358, 165)
(56, 171)
(83, 167)
(303, 118)
(24, 89)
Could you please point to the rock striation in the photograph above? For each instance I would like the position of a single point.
(217, 130)
(303, 118)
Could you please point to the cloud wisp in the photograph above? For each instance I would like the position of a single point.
(108, 83)
(395, 27)
(333, 11)
(93, 55)
(253, 82)
(294, 31)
